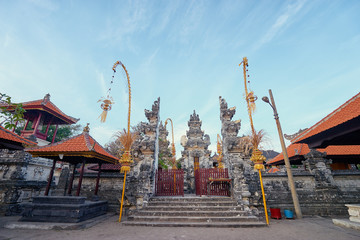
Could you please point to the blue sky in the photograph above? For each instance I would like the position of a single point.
(187, 53)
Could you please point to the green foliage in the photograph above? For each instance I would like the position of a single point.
(178, 164)
(163, 162)
(10, 112)
(63, 132)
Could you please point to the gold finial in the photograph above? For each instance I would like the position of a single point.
(87, 129)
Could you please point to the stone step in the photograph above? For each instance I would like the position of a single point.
(192, 219)
(193, 203)
(194, 208)
(197, 224)
(191, 199)
(191, 213)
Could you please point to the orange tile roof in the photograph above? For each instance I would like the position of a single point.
(300, 149)
(46, 105)
(80, 145)
(349, 110)
(13, 137)
(49, 107)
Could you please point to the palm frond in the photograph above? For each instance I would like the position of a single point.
(126, 139)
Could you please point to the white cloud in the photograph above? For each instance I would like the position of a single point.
(103, 134)
(282, 22)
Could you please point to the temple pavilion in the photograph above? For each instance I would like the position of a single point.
(40, 115)
(80, 149)
(337, 134)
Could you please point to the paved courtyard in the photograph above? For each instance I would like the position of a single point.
(308, 228)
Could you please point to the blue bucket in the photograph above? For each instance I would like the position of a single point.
(288, 213)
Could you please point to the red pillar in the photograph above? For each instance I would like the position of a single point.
(97, 180)
(15, 126)
(80, 178)
(71, 181)
(57, 125)
(37, 123)
(50, 178)
(26, 124)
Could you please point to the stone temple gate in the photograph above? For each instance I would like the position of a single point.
(196, 154)
(243, 180)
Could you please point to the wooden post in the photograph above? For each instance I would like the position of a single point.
(48, 126)
(57, 125)
(71, 180)
(26, 124)
(80, 178)
(286, 159)
(16, 123)
(50, 178)
(37, 123)
(97, 180)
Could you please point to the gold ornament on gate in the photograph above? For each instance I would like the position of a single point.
(125, 162)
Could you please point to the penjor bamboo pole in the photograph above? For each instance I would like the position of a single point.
(122, 197)
(263, 193)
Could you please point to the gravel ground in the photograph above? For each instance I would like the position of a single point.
(307, 228)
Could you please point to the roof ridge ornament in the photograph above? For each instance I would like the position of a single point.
(46, 99)
(292, 136)
(86, 128)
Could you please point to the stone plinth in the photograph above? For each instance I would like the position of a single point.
(354, 212)
(66, 209)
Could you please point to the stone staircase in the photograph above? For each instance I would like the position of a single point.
(193, 211)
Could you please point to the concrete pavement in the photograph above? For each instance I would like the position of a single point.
(108, 228)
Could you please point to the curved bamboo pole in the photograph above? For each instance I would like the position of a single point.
(173, 151)
(219, 150)
(129, 88)
(257, 156)
(245, 64)
(126, 157)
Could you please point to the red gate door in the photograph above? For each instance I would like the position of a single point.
(169, 182)
(212, 181)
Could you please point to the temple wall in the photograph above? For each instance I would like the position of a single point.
(21, 178)
(110, 188)
(319, 201)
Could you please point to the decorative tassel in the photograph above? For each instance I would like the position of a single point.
(252, 98)
(106, 106)
(103, 116)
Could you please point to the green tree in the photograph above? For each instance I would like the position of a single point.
(63, 132)
(10, 112)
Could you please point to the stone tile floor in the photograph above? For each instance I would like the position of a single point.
(108, 228)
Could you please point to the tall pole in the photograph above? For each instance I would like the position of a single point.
(173, 151)
(256, 155)
(122, 196)
(286, 159)
(126, 138)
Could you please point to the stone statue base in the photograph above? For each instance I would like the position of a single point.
(66, 209)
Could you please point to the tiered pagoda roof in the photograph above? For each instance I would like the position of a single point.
(10, 140)
(45, 105)
(82, 145)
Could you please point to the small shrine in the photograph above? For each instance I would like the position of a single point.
(40, 115)
(81, 149)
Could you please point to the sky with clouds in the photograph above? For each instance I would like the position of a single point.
(188, 54)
